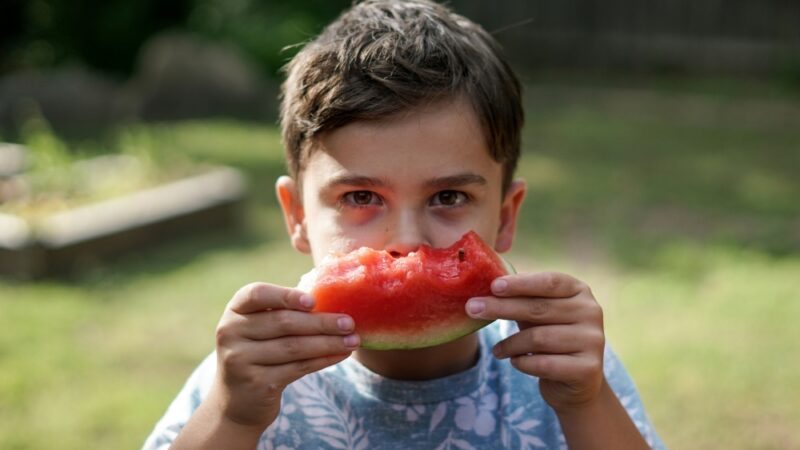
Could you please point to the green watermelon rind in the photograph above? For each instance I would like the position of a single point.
(405, 342)
(507, 265)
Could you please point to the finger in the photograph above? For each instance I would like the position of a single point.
(550, 339)
(291, 349)
(286, 322)
(530, 310)
(541, 284)
(564, 368)
(257, 297)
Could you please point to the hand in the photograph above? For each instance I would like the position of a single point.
(268, 338)
(561, 338)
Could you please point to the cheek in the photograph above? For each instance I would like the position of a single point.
(444, 231)
(332, 233)
(484, 220)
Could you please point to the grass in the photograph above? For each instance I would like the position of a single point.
(678, 209)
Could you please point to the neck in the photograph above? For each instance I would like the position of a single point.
(423, 363)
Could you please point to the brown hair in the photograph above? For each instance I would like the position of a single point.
(382, 57)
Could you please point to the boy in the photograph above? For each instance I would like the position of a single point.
(402, 126)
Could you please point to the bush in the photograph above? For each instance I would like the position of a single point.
(107, 35)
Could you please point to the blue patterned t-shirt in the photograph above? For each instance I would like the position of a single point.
(346, 406)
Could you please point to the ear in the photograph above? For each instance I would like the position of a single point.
(293, 213)
(509, 211)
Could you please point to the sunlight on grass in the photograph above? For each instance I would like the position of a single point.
(713, 343)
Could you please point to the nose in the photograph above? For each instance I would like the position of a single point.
(405, 234)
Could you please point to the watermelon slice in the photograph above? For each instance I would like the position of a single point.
(412, 301)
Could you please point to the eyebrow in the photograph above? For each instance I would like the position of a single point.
(354, 180)
(457, 180)
(450, 181)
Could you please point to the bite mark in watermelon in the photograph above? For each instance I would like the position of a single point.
(412, 301)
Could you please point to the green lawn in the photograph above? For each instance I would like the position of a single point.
(680, 210)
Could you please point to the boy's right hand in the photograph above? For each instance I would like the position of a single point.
(267, 338)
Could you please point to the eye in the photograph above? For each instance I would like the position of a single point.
(361, 198)
(449, 198)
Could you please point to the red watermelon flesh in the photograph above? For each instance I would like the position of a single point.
(412, 301)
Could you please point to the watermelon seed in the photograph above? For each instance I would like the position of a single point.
(461, 254)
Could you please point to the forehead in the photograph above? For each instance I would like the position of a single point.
(434, 140)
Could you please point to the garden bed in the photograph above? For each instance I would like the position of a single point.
(84, 235)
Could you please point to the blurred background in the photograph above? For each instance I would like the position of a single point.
(661, 150)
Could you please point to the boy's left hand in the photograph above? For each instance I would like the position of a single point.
(561, 338)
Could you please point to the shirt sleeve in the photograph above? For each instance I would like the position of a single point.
(182, 408)
(625, 389)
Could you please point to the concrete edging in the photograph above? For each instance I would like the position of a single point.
(85, 235)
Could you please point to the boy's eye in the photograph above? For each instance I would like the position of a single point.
(362, 198)
(449, 198)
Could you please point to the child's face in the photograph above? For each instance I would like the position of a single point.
(425, 177)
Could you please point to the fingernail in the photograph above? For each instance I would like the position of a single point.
(498, 286)
(307, 300)
(496, 351)
(476, 306)
(344, 323)
(351, 340)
